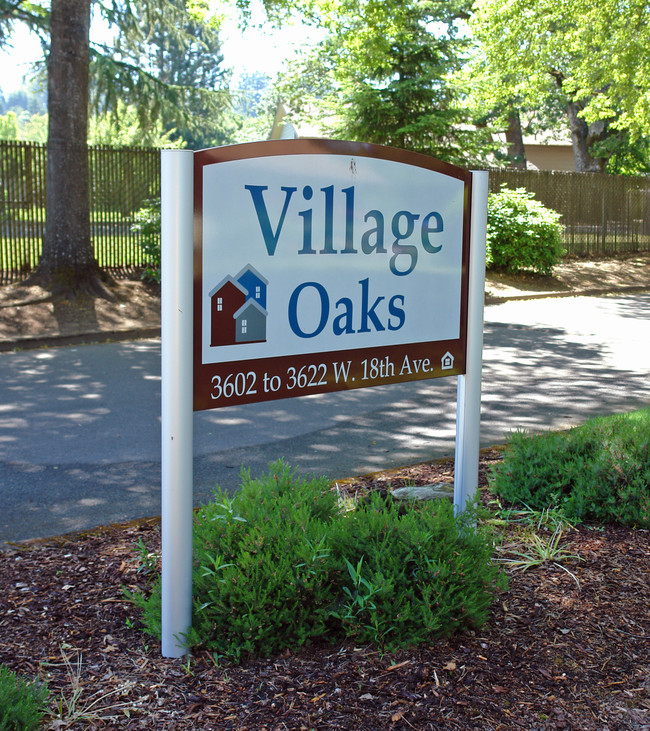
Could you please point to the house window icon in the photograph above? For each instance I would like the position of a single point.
(447, 361)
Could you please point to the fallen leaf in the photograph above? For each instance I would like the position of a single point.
(451, 665)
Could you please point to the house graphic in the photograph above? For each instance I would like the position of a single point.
(447, 361)
(238, 309)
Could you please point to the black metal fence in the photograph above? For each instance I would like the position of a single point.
(121, 181)
(603, 214)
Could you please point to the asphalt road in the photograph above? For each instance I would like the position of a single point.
(80, 426)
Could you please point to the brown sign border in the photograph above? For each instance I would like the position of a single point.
(234, 382)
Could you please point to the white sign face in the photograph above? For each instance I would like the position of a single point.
(318, 253)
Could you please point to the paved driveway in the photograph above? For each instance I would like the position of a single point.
(80, 429)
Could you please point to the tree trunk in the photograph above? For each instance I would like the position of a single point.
(583, 136)
(515, 141)
(68, 264)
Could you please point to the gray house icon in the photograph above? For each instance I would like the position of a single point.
(250, 321)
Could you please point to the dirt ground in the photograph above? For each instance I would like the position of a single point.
(29, 316)
(567, 645)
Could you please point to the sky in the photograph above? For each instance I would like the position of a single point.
(252, 50)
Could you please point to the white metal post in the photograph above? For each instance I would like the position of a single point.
(177, 199)
(468, 405)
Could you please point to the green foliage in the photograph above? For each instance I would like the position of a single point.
(123, 128)
(382, 75)
(599, 471)
(281, 563)
(522, 234)
(23, 126)
(147, 226)
(9, 126)
(412, 575)
(587, 55)
(171, 52)
(30, 99)
(624, 156)
(21, 703)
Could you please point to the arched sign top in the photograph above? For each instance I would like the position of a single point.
(319, 146)
(324, 265)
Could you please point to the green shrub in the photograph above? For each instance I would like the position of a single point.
(281, 564)
(522, 234)
(147, 224)
(21, 703)
(599, 471)
(426, 572)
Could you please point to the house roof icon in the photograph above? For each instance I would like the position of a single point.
(249, 268)
(238, 309)
(246, 305)
(225, 281)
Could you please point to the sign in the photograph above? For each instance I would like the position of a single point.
(322, 265)
(300, 267)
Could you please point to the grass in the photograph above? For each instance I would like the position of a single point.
(110, 251)
(79, 704)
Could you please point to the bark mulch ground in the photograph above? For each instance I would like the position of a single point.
(567, 646)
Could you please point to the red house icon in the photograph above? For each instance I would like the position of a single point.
(225, 299)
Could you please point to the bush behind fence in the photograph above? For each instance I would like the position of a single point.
(603, 214)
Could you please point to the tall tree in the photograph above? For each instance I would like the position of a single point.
(67, 263)
(390, 64)
(590, 56)
(182, 50)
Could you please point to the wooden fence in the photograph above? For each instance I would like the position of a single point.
(603, 214)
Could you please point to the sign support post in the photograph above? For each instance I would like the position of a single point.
(177, 202)
(468, 405)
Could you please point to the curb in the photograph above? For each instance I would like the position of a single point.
(593, 292)
(87, 338)
(142, 333)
